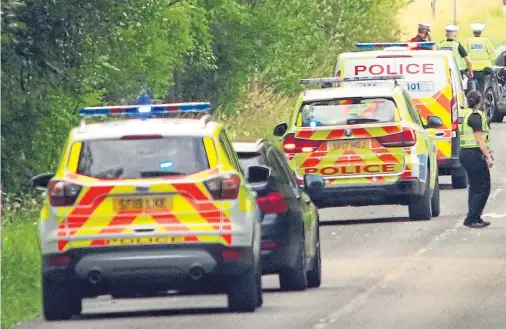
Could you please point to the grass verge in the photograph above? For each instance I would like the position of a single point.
(20, 268)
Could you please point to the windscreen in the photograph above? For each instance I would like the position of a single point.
(347, 111)
(424, 76)
(142, 158)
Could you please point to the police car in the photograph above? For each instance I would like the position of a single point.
(369, 144)
(149, 204)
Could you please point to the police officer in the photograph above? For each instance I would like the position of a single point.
(481, 52)
(476, 158)
(423, 33)
(458, 50)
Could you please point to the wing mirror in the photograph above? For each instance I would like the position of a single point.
(41, 181)
(313, 183)
(487, 71)
(434, 122)
(280, 129)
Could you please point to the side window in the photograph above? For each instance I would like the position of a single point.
(412, 110)
(229, 150)
(277, 170)
(501, 60)
(282, 163)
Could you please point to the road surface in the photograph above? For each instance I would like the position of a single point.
(380, 271)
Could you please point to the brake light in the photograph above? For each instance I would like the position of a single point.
(136, 137)
(268, 245)
(455, 124)
(295, 145)
(272, 203)
(60, 260)
(406, 138)
(224, 187)
(63, 193)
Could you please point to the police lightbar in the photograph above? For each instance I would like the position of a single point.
(349, 79)
(410, 45)
(144, 110)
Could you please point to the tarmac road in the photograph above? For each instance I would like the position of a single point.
(380, 271)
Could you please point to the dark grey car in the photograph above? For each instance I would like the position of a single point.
(495, 88)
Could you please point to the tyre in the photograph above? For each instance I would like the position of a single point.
(314, 276)
(295, 278)
(260, 296)
(243, 291)
(436, 202)
(59, 302)
(420, 206)
(459, 180)
(490, 107)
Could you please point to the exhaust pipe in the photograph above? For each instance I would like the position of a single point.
(94, 277)
(197, 273)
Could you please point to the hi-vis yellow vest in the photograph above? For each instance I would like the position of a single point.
(453, 46)
(467, 137)
(481, 52)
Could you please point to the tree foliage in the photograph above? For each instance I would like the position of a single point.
(59, 55)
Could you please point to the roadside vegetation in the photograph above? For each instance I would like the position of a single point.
(245, 56)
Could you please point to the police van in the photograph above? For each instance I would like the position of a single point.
(433, 81)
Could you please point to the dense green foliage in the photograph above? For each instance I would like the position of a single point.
(59, 55)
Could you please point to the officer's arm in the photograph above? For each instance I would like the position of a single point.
(475, 123)
(465, 56)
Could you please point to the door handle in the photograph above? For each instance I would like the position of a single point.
(439, 134)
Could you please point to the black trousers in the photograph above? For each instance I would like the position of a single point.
(478, 174)
(480, 78)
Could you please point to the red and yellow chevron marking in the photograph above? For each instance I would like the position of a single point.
(93, 217)
(356, 132)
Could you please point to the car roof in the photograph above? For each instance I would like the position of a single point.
(342, 92)
(157, 126)
(396, 50)
(249, 147)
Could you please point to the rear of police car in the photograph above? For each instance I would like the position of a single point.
(432, 80)
(357, 140)
(140, 206)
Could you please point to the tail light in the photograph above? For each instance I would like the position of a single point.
(455, 124)
(272, 203)
(224, 187)
(295, 145)
(60, 260)
(268, 245)
(406, 138)
(63, 193)
(229, 254)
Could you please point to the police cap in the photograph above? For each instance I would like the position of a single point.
(424, 26)
(477, 27)
(451, 28)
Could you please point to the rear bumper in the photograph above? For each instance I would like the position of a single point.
(280, 242)
(399, 192)
(448, 166)
(177, 267)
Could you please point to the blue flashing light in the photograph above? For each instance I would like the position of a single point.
(144, 110)
(410, 45)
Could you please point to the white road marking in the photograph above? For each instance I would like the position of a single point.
(496, 193)
(494, 215)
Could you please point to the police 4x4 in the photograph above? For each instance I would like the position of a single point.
(369, 144)
(145, 205)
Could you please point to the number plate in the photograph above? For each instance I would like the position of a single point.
(140, 204)
(349, 145)
(422, 86)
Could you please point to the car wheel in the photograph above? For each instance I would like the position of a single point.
(435, 202)
(314, 277)
(420, 206)
(243, 291)
(490, 107)
(59, 302)
(260, 296)
(459, 179)
(295, 278)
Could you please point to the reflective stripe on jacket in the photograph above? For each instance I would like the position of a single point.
(453, 46)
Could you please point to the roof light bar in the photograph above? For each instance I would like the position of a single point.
(350, 79)
(144, 110)
(410, 45)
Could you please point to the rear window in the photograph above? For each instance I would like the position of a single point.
(142, 158)
(248, 159)
(347, 111)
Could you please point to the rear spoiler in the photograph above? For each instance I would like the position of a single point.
(330, 80)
